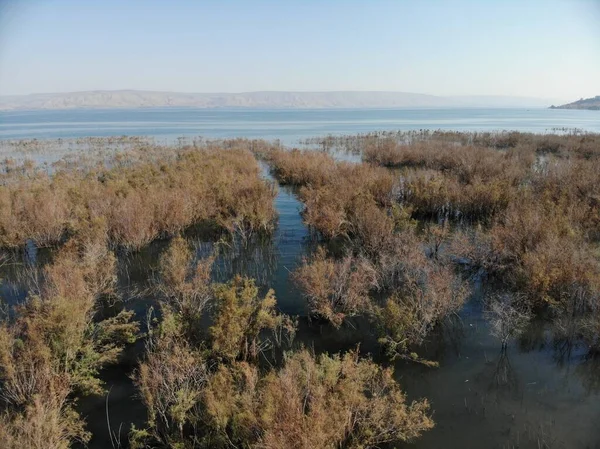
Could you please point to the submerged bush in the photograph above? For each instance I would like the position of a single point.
(335, 289)
(55, 347)
(426, 296)
(508, 316)
(48, 420)
(240, 316)
(184, 283)
(324, 402)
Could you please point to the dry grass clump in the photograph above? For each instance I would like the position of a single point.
(54, 347)
(139, 200)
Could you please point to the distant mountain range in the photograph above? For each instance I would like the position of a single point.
(349, 99)
(588, 103)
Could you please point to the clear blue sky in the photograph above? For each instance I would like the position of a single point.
(541, 48)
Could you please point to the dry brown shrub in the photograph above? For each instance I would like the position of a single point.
(439, 195)
(47, 421)
(542, 252)
(172, 379)
(170, 382)
(302, 167)
(185, 284)
(335, 289)
(140, 199)
(325, 402)
(239, 318)
(53, 347)
(343, 206)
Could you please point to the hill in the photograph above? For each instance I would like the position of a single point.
(588, 103)
(307, 100)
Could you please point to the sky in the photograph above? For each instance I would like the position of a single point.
(536, 48)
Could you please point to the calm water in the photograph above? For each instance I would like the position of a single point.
(538, 394)
(287, 125)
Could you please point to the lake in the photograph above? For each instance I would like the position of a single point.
(287, 125)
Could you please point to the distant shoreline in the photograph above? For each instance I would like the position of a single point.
(282, 109)
(589, 104)
(133, 99)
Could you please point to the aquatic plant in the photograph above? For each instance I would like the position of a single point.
(327, 402)
(240, 315)
(310, 402)
(54, 347)
(335, 289)
(508, 316)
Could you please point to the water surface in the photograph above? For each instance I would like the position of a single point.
(287, 125)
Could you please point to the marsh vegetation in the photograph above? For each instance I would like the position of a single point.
(407, 230)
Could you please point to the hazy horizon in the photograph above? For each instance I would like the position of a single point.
(536, 49)
(174, 91)
(261, 99)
